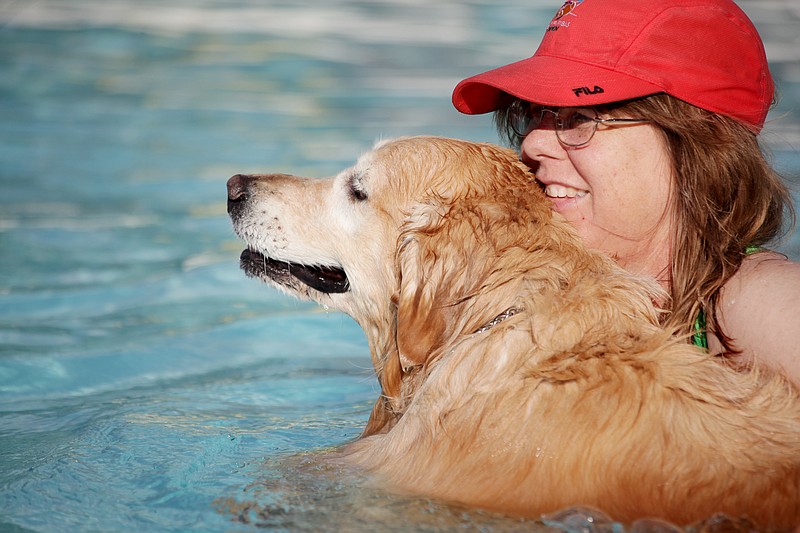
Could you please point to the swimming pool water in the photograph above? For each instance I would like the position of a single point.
(145, 383)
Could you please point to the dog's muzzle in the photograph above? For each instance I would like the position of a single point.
(322, 278)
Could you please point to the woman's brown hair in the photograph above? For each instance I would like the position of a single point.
(726, 198)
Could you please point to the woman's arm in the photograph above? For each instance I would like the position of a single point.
(759, 309)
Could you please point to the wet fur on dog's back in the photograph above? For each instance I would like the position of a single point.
(519, 371)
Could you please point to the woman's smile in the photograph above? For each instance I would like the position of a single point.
(555, 190)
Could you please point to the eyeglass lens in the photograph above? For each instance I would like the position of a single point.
(574, 126)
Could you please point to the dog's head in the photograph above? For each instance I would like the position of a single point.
(423, 240)
(336, 240)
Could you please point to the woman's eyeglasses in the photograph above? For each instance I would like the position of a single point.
(574, 126)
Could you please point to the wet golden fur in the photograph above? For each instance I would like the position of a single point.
(574, 396)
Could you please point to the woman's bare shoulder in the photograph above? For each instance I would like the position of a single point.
(760, 309)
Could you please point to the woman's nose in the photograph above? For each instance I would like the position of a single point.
(539, 144)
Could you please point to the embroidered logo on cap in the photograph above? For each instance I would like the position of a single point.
(587, 91)
(568, 8)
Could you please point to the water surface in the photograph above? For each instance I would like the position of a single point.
(145, 383)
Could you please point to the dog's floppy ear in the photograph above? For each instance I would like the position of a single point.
(427, 285)
(449, 282)
(420, 321)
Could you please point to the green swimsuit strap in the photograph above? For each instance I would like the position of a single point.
(699, 338)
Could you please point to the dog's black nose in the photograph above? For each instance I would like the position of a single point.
(237, 190)
(237, 187)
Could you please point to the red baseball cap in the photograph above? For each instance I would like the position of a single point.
(704, 52)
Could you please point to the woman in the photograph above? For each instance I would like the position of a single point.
(640, 120)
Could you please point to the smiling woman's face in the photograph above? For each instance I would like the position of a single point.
(616, 191)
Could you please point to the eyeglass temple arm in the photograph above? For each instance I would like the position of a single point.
(612, 120)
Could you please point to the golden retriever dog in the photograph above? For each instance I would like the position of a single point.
(520, 372)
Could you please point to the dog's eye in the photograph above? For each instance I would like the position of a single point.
(355, 189)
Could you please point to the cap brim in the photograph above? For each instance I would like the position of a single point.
(548, 80)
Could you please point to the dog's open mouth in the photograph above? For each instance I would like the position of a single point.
(326, 279)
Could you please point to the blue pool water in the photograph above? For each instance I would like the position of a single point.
(145, 383)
